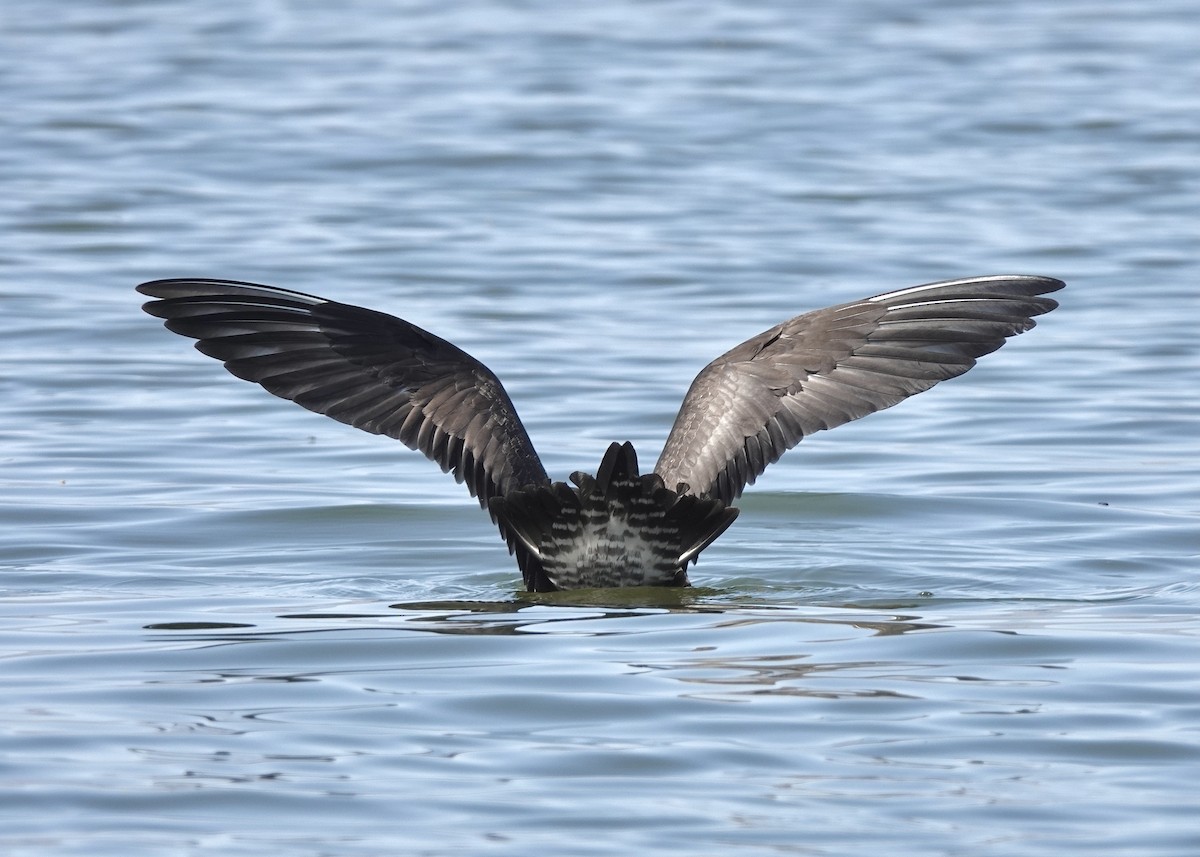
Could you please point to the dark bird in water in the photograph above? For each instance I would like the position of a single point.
(620, 527)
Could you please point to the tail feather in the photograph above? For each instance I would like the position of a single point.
(701, 522)
(529, 514)
(617, 528)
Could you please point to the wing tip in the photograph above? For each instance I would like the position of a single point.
(212, 288)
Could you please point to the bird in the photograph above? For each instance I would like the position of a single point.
(619, 527)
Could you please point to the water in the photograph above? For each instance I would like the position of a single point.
(965, 626)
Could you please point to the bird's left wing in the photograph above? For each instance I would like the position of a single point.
(364, 368)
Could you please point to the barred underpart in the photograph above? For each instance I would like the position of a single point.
(615, 529)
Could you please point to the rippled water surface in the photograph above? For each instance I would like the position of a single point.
(965, 626)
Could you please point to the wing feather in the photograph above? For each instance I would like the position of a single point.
(364, 368)
(828, 367)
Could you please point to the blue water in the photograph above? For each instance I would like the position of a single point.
(966, 626)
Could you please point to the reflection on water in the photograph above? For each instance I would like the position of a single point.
(583, 612)
(727, 676)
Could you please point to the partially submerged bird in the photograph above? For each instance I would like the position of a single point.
(618, 528)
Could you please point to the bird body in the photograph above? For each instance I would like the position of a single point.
(816, 371)
(618, 528)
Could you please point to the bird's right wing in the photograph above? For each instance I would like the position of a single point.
(364, 368)
(828, 367)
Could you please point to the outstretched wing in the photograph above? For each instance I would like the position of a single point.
(364, 368)
(828, 367)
